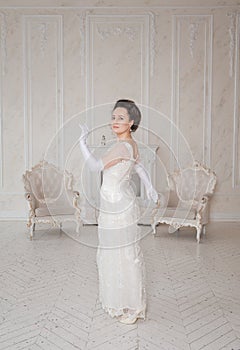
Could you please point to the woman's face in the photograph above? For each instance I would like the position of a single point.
(120, 121)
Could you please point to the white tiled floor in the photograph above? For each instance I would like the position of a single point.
(49, 290)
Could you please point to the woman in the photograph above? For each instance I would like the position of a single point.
(120, 261)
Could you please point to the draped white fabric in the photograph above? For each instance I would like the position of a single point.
(119, 257)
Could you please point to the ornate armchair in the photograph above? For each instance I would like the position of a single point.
(190, 190)
(50, 196)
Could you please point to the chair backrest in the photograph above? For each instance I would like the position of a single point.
(191, 183)
(48, 184)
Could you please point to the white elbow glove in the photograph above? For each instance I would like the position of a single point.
(93, 163)
(144, 176)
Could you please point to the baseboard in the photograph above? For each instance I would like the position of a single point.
(225, 217)
(18, 216)
(12, 216)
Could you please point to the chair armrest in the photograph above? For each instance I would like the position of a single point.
(29, 196)
(76, 194)
(31, 206)
(202, 207)
(206, 197)
(75, 200)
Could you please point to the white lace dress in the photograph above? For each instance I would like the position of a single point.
(120, 261)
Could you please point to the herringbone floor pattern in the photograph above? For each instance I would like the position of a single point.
(49, 292)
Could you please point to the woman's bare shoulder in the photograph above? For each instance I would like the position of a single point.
(135, 148)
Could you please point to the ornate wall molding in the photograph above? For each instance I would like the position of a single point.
(41, 23)
(193, 34)
(152, 42)
(68, 4)
(82, 32)
(236, 136)
(233, 31)
(232, 35)
(3, 41)
(43, 28)
(194, 22)
(105, 31)
(232, 41)
(3, 56)
(129, 26)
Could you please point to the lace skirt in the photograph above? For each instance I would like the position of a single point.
(120, 262)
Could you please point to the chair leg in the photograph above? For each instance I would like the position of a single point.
(204, 229)
(32, 230)
(154, 228)
(60, 228)
(199, 230)
(79, 224)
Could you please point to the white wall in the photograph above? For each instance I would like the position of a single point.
(180, 58)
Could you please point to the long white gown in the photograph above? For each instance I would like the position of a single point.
(120, 262)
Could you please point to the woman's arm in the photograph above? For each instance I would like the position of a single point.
(114, 155)
(144, 176)
(93, 163)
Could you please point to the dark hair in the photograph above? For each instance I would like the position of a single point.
(133, 112)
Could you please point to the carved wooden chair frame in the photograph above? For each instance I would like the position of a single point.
(200, 205)
(32, 200)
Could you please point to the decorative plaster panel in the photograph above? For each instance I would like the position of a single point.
(117, 63)
(82, 31)
(2, 64)
(43, 68)
(192, 84)
(236, 116)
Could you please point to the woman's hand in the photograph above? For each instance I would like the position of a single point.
(84, 134)
(152, 194)
(93, 163)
